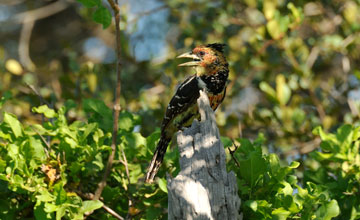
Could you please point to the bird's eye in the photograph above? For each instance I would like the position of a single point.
(202, 53)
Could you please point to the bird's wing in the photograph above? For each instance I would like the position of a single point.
(186, 95)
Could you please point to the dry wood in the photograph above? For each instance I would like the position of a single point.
(203, 189)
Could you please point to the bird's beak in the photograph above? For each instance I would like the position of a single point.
(195, 58)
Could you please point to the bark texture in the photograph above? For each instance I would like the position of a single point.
(203, 189)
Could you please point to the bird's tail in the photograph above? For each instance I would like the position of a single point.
(157, 159)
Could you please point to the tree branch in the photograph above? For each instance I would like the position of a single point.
(24, 44)
(41, 13)
(117, 107)
(28, 20)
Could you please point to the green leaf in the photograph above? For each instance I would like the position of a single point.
(226, 141)
(127, 121)
(152, 140)
(96, 106)
(2, 165)
(252, 205)
(280, 214)
(294, 164)
(162, 185)
(45, 196)
(40, 213)
(246, 147)
(14, 124)
(286, 189)
(89, 128)
(274, 163)
(328, 210)
(252, 167)
(60, 193)
(91, 205)
(134, 144)
(5, 136)
(18, 180)
(269, 8)
(49, 207)
(265, 87)
(60, 212)
(102, 16)
(99, 112)
(344, 135)
(44, 109)
(36, 149)
(283, 92)
(90, 3)
(13, 151)
(278, 26)
(153, 213)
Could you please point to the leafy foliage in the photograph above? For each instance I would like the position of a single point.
(46, 169)
(50, 177)
(272, 191)
(336, 168)
(294, 66)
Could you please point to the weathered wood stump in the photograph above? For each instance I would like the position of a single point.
(203, 189)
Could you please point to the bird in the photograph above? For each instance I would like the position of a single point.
(211, 76)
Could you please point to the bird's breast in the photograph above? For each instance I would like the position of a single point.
(216, 99)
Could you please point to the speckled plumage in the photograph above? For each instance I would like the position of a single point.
(211, 75)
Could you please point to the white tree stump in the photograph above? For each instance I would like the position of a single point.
(203, 189)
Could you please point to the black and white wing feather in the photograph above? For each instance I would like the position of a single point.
(185, 96)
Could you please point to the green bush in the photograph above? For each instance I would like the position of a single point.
(46, 169)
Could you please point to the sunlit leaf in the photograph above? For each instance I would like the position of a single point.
(91, 205)
(265, 87)
(283, 92)
(14, 124)
(269, 9)
(92, 81)
(44, 109)
(162, 185)
(280, 214)
(328, 210)
(14, 67)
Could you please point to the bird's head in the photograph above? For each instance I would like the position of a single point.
(207, 59)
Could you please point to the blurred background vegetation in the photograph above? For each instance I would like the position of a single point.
(293, 65)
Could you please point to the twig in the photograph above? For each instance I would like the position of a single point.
(312, 57)
(232, 153)
(42, 100)
(107, 208)
(112, 212)
(117, 107)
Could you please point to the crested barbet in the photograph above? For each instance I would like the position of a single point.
(211, 76)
